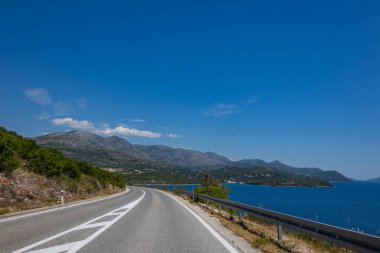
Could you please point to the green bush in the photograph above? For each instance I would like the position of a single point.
(7, 157)
(47, 161)
(212, 188)
(70, 169)
(219, 191)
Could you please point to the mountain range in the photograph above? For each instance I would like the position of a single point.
(117, 152)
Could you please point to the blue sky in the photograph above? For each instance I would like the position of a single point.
(289, 80)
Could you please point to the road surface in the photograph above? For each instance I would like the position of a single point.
(142, 220)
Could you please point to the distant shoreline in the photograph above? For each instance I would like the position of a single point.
(295, 186)
(164, 184)
(290, 186)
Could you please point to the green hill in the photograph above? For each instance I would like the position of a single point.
(22, 160)
(265, 176)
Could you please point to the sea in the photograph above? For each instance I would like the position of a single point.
(352, 205)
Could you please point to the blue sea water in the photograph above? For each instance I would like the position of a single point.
(351, 205)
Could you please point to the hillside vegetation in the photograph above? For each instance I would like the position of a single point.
(27, 169)
(212, 187)
(260, 175)
(158, 164)
(118, 153)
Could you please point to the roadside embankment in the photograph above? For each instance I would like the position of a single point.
(257, 233)
(25, 190)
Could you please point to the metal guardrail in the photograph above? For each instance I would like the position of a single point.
(339, 236)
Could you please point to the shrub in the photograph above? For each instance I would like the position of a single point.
(71, 169)
(8, 161)
(7, 158)
(212, 188)
(218, 191)
(46, 161)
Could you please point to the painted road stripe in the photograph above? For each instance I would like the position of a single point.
(63, 207)
(228, 246)
(75, 246)
(59, 248)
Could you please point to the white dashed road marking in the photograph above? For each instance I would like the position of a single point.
(75, 246)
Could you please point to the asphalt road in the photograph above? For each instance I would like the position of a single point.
(142, 220)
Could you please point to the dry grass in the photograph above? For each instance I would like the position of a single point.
(26, 190)
(263, 235)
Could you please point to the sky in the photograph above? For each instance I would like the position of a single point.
(295, 81)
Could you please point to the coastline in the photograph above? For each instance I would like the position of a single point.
(166, 184)
(295, 186)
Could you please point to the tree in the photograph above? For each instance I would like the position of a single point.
(207, 180)
(212, 187)
(7, 157)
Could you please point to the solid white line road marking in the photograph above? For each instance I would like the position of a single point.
(63, 207)
(228, 246)
(75, 246)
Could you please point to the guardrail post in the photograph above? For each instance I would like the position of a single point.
(62, 197)
(279, 230)
(241, 215)
(360, 242)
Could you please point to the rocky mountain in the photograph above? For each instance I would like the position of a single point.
(265, 176)
(118, 153)
(293, 170)
(279, 166)
(250, 163)
(330, 175)
(185, 157)
(86, 140)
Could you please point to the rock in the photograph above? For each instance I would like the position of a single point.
(31, 196)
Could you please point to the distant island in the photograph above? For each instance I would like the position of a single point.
(374, 179)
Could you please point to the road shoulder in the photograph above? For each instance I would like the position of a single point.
(52, 208)
(237, 241)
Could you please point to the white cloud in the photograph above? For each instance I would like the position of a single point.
(173, 135)
(219, 110)
(123, 130)
(42, 116)
(105, 129)
(104, 125)
(38, 96)
(77, 124)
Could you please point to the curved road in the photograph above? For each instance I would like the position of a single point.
(142, 220)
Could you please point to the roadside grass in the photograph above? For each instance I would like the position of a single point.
(262, 234)
(4, 211)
